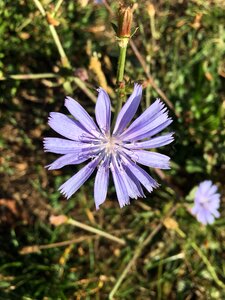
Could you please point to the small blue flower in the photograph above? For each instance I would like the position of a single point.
(206, 203)
(98, 1)
(119, 152)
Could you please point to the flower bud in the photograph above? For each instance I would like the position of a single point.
(151, 10)
(125, 17)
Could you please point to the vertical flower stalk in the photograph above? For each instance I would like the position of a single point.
(125, 17)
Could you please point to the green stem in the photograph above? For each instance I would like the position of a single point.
(121, 64)
(64, 59)
(120, 93)
(204, 259)
(58, 4)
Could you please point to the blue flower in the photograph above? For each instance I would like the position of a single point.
(206, 203)
(119, 152)
(98, 1)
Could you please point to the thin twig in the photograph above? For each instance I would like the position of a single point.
(150, 78)
(37, 248)
(63, 56)
(138, 252)
(96, 231)
(29, 76)
(64, 59)
(57, 7)
(40, 7)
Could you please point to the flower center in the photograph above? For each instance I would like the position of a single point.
(203, 200)
(111, 144)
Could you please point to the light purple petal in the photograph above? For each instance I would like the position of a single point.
(75, 182)
(65, 126)
(195, 209)
(212, 205)
(213, 189)
(150, 159)
(213, 211)
(67, 159)
(152, 143)
(81, 115)
(63, 146)
(201, 217)
(216, 214)
(120, 187)
(101, 184)
(155, 131)
(205, 186)
(209, 217)
(214, 198)
(103, 111)
(128, 110)
(131, 186)
(149, 130)
(139, 191)
(145, 179)
(204, 214)
(148, 116)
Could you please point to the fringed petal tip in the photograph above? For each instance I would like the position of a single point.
(167, 165)
(124, 204)
(100, 89)
(50, 117)
(52, 167)
(67, 196)
(68, 99)
(150, 187)
(45, 143)
(160, 104)
(62, 190)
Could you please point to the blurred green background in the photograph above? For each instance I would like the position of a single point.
(181, 46)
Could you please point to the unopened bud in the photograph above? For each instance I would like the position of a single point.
(151, 10)
(125, 17)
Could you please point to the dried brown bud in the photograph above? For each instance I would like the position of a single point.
(51, 20)
(58, 220)
(125, 17)
(170, 223)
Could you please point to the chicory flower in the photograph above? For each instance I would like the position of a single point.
(120, 152)
(206, 203)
